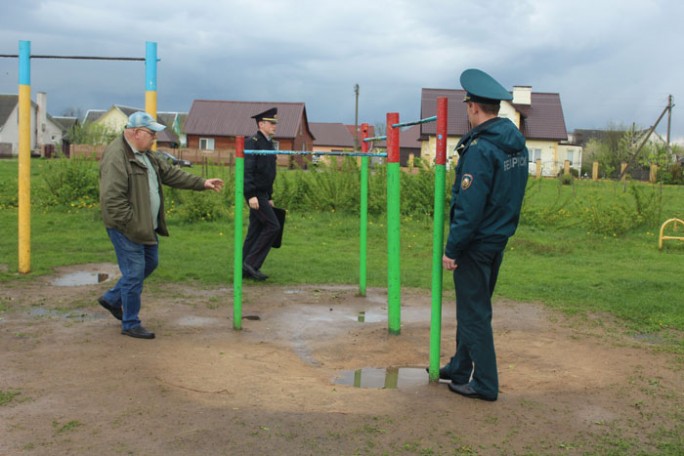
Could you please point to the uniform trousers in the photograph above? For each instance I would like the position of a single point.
(475, 358)
(262, 231)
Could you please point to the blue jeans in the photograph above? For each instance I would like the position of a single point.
(136, 263)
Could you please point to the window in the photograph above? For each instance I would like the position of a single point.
(206, 143)
(570, 154)
(535, 154)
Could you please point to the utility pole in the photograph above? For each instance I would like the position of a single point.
(356, 118)
(669, 119)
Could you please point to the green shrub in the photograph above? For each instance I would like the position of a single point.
(204, 206)
(69, 182)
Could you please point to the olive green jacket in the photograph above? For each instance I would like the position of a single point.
(125, 191)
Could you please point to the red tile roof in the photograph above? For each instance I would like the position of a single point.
(233, 118)
(542, 119)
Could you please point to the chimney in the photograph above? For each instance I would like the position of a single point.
(41, 119)
(522, 95)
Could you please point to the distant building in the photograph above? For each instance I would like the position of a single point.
(539, 116)
(46, 133)
(213, 125)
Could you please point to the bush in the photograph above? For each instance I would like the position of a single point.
(70, 182)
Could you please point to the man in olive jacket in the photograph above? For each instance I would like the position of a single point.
(132, 204)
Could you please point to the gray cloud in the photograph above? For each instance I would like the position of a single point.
(612, 62)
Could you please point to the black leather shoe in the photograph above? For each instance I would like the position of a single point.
(253, 273)
(115, 311)
(468, 391)
(138, 332)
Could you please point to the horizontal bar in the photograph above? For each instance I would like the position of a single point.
(307, 152)
(415, 122)
(75, 57)
(375, 138)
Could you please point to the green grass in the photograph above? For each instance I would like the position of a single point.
(555, 258)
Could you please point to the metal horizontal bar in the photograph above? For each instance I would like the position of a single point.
(375, 138)
(76, 57)
(307, 152)
(415, 122)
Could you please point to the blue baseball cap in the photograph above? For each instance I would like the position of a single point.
(482, 88)
(143, 120)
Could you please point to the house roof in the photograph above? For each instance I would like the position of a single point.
(234, 118)
(331, 134)
(542, 119)
(410, 138)
(65, 122)
(7, 105)
(92, 115)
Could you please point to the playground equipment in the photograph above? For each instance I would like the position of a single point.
(393, 222)
(676, 225)
(24, 193)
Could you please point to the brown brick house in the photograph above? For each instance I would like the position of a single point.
(214, 124)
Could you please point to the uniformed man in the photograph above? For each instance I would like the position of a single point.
(260, 173)
(491, 176)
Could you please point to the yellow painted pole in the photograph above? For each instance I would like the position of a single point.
(24, 185)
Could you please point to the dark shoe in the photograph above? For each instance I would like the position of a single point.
(115, 311)
(468, 391)
(138, 332)
(443, 373)
(252, 273)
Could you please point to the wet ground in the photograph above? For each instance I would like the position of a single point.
(314, 371)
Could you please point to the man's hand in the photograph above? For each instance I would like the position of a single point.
(448, 263)
(253, 203)
(213, 184)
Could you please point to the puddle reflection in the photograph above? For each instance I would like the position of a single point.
(390, 378)
(80, 278)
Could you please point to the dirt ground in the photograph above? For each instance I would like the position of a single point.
(78, 387)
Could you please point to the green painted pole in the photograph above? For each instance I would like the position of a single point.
(363, 209)
(393, 226)
(438, 240)
(237, 256)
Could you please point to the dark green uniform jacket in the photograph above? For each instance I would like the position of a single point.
(125, 191)
(487, 195)
(260, 170)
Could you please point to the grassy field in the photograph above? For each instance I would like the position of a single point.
(577, 249)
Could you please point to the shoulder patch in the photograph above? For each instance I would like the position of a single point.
(466, 181)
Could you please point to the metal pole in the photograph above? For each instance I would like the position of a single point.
(393, 226)
(438, 239)
(356, 117)
(237, 255)
(24, 196)
(151, 81)
(363, 209)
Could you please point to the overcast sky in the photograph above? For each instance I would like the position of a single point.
(613, 63)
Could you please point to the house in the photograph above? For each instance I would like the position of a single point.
(409, 144)
(212, 125)
(68, 124)
(175, 122)
(539, 116)
(46, 133)
(116, 118)
(330, 137)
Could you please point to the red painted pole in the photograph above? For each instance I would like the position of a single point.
(442, 111)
